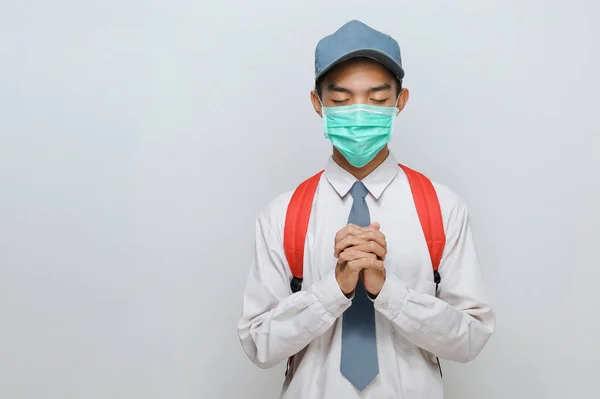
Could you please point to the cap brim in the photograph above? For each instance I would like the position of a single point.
(385, 59)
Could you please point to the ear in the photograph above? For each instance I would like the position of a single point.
(402, 100)
(314, 97)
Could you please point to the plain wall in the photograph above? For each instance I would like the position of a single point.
(140, 139)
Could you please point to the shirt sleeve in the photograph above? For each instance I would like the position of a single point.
(275, 323)
(456, 324)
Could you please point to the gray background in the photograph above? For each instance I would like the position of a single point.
(139, 140)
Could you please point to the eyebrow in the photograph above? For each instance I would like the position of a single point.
(340, 89)
(382, 87)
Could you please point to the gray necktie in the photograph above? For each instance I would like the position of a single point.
(359, 346)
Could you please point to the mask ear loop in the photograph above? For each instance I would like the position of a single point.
(395, 116)
(323, 116)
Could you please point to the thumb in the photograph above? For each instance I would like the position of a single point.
(375, 225)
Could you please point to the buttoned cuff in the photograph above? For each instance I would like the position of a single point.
(331, 296)
(391, 296)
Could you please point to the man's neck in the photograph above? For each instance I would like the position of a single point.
(361, 173)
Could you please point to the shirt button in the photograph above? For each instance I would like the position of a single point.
(383, 305)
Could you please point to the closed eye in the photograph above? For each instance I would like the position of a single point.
(379, 101)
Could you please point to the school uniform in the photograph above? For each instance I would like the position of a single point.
(415, 323)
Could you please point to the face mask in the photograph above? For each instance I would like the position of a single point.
(359, 131)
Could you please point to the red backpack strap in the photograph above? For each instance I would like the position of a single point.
(430, 215)
(296, 226)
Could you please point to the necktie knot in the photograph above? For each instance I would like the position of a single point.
(358, 190)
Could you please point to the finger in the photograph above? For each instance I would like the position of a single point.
(365, 263)
(373, 247)
(355, 265)
(375, 225)
(360, 264)
(349, 241)
(350, 229)
(351, 254)
(373, 235)
(374, 264)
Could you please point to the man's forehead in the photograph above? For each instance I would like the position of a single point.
(359, 69)
(359, 82)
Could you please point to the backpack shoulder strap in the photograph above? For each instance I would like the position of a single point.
(298, 214)
(296, 226)
(430, 216)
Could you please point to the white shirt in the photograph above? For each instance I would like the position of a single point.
(413, 325)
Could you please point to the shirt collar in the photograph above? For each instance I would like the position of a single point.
(376, 182)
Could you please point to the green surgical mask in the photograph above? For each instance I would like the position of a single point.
(359, 131)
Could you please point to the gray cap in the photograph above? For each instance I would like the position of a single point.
(355, 39)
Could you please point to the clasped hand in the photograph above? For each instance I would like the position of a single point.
(360, 252)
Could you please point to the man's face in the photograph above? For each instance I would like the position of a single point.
(359, 81)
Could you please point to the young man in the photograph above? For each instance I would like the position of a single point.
(367, 318)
